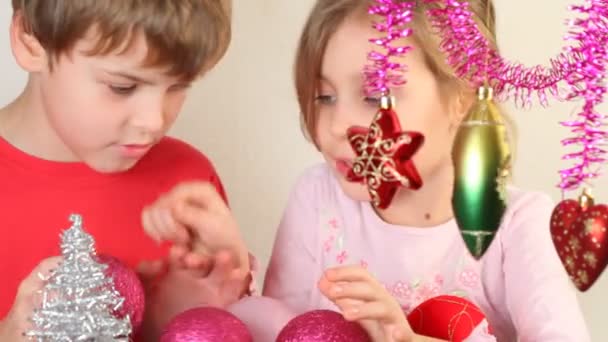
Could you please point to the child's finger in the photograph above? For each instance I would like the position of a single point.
(201, 221)
(164, 224)
(222, 268)
(149, 271)
(36, 280)
(202, 263)
(181, 256)
(360, 290)
(148, 217)
(149, 226)
(28, 292)
(160, 225)
(201, 194)
(348, 273)
(374, 310)
(345, 304)
(325, 285)
(238, 281)
(181, 234)
(401, 334)
(175, 231)
(177, 253)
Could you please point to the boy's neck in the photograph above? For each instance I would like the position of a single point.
(23, 124)
(429, 206)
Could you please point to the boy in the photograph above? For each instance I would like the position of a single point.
(106, 81)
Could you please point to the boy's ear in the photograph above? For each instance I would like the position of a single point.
(28, 52)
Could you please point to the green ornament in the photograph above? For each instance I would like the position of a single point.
(482, 167)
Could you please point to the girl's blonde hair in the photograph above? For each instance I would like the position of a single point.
(328, 15)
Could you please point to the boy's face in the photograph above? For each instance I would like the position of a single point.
(109, 110)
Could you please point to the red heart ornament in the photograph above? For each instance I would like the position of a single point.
(445, 317)
(578, 230)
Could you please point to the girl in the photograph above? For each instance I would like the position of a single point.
(334, 250)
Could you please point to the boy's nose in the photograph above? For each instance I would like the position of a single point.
(149, 119)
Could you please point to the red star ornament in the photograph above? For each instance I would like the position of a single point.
(384, 155)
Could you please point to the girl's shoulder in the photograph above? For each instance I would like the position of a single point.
(318, 182)
(527, 213)
(520, 201)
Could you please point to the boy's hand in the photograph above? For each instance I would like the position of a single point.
(172, 290)
(195, 217)
(17, 322)
(363, 299)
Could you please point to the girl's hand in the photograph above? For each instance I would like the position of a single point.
(363, 299)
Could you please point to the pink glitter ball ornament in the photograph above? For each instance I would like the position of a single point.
(127, 283)
(206, 324)
(322, 326)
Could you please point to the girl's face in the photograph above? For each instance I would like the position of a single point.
(342, 103)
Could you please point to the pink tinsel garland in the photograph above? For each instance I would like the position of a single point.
(582, 66)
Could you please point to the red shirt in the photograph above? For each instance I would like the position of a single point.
(37, 197)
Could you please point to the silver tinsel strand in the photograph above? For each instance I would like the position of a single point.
(78, 299)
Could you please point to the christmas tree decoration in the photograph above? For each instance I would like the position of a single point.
(579, 232)
(577, 73)
(383, 151)
(384, 155)
(467, 48)
(384, 70)
(78, 299)
(482, 166)
(206, 324)
(322, 326)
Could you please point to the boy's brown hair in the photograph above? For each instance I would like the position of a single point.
(188, 36)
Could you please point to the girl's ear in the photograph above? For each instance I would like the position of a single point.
(459, 107)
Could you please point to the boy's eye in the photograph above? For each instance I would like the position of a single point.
(179, 87)
(123, 89)
(325, 99)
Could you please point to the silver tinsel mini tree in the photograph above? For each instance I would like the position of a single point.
(78, 299)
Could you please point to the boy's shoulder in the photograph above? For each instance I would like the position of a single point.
(175, 149)
(175, 158)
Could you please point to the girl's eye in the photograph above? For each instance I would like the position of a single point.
(325, 99)
(374, 101)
